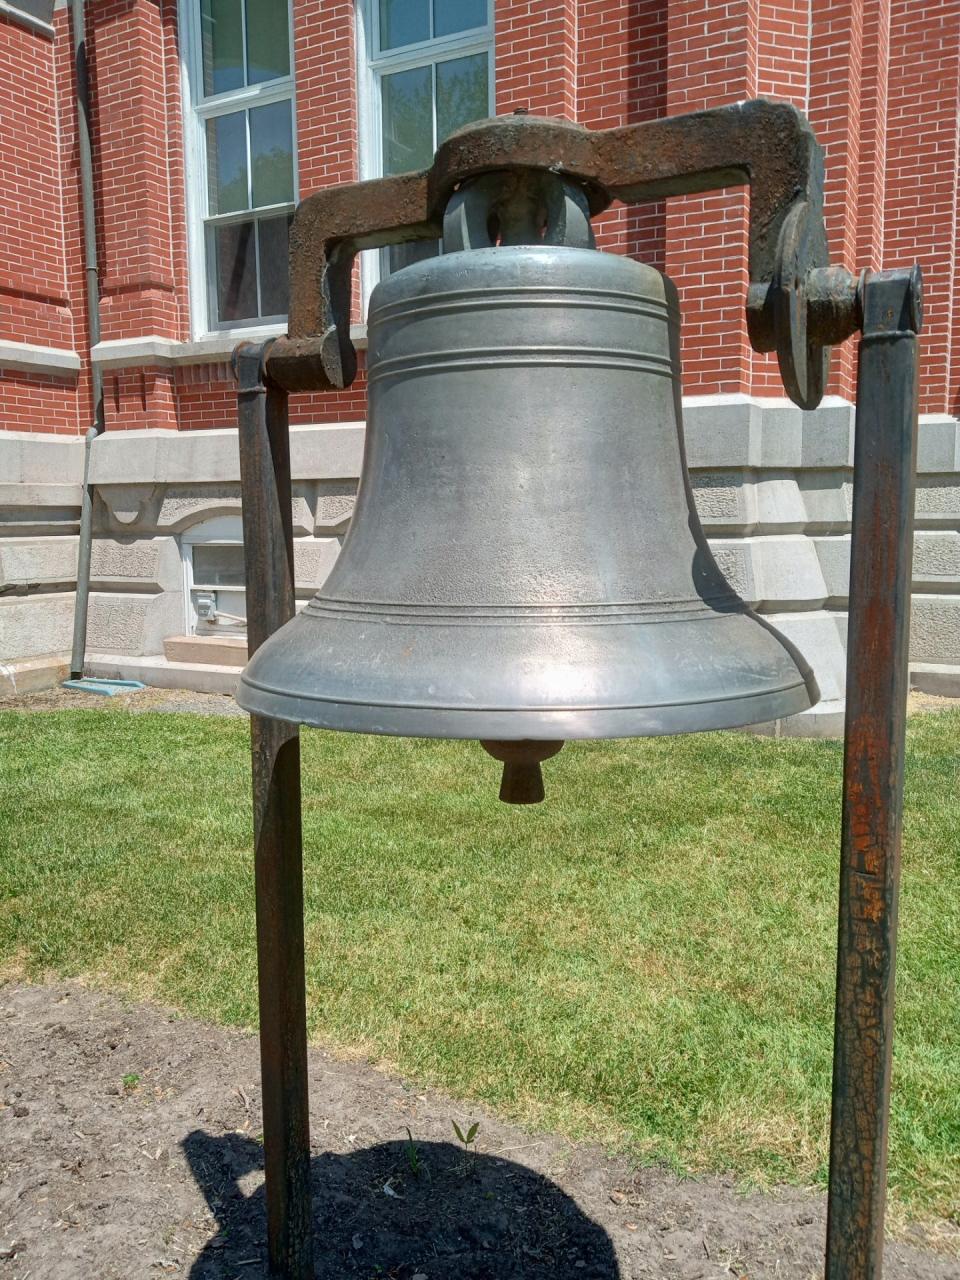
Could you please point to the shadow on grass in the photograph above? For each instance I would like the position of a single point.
(452, 1216)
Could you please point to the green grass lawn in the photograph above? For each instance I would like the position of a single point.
(646, 959)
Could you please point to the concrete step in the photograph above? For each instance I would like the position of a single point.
(216, 651)
(27, 675)
(159, 673)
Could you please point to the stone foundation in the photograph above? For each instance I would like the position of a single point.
(773, 487)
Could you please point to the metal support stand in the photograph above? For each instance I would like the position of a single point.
(798, 306)
(877, 679)
(268, 551)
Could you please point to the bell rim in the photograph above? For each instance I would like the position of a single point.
(574, 723)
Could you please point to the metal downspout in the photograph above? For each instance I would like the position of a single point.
(93, 328)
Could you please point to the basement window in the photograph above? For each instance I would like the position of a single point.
(214, 583)
(241, 159)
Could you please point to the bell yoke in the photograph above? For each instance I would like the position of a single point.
(525, 563)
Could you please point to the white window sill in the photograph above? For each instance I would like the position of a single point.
(26, 357)
(24, 19)
(212, 348)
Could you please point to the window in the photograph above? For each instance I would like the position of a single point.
(429, 71)
(214, 583)
(241, 168)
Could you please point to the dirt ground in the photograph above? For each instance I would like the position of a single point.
(60, 699)
(129, 1147)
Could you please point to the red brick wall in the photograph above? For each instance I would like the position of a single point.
(536, 57)
(879, 79)
(921, 194)
(711, 61)
(72, 215)
(622, 79)
(34, 300)
(138, 282)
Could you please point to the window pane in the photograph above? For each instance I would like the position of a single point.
(218, 566)
(221, 37)
(274, 266)
(450, 16)
(403, 22)
(407, 111)
(268, 40)
(235, 271)
(227, 163)
(271, 152)
(461, 93)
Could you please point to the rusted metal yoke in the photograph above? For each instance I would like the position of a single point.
(519, 180)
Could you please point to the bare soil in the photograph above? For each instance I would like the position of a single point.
(130, 1147)
(136, 700)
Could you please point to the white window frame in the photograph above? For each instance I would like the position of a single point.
(196, 110)
(216, 531)
(371, 68)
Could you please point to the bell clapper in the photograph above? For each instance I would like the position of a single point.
(522, 781)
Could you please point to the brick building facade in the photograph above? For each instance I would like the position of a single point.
(211, 117)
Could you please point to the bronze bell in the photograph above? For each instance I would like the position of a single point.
(525, 563)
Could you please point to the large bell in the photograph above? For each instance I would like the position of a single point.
(525, 560)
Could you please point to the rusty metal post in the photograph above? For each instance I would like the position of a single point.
(268, 555)
(877, 678)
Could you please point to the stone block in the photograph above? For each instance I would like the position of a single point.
(937, 678)
(936, 559)
(335, 500)
(787, 573)
(722, 499)
(27, 675)
(156, 456)
(127, 508)
(159, 673)
(735, 562)
(31, 562)
(34, 458)
(144, 564)
(28, 509)
(779, 504)
(184, 505)
(938, 443)
(827, 499)
(937, 501)
(935, 629)
(174, 508)
(820, 641)
(828, 433)
(721, 431)
(328, 452)
(781, 434)
(833, 552)
(31, 626)
(321, 452)
(313, 558)
(133, 624)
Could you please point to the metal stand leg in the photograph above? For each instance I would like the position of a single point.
(877, 676)
(268, 549)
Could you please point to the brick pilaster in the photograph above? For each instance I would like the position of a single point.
(137, 274)
(921, 185)
(536, 57)
(711, 60)
(622, 79)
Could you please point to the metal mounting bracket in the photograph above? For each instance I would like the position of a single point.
(795, 306)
